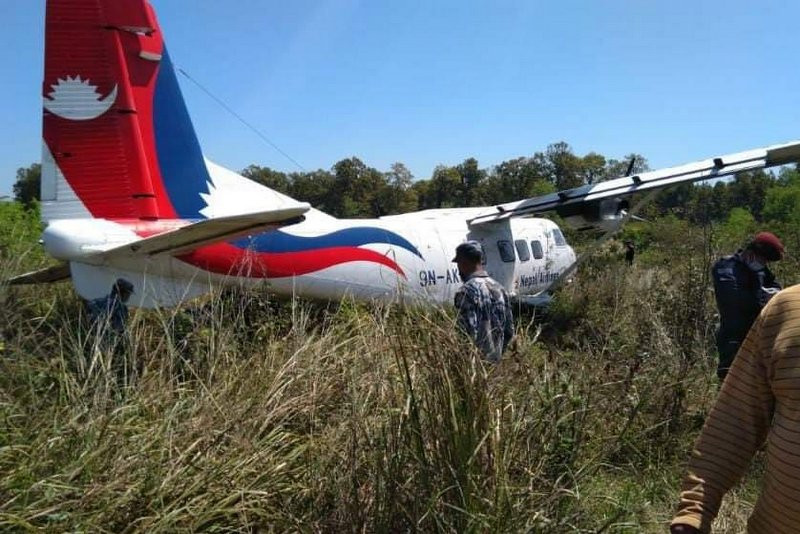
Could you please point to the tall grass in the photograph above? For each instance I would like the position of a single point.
(239, 413)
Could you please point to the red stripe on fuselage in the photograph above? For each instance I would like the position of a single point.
(224, 258)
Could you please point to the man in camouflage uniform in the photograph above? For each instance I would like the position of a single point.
(483, 306)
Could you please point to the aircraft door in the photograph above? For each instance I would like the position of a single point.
(541, 259)
(498, 245)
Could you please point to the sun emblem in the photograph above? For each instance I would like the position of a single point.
(78, 100)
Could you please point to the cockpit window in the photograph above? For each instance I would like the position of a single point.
(506, 251)
(538, 252)
(523, 252)
(558, 237)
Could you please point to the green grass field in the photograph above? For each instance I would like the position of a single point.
(238, 413)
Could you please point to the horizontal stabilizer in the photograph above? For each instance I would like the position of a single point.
(205, 232)
(56, 273)
(717, 167)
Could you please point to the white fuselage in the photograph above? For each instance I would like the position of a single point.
(524, 255)
(399, 256)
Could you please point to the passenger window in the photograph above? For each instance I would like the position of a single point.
(506, 251)
(559, 238)
(522, 250)
(538, 253)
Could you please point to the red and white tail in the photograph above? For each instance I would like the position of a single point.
(118, 145)
(118, 141)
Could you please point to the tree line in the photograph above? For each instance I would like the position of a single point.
(352, 189)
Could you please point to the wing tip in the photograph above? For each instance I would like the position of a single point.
(56, 273)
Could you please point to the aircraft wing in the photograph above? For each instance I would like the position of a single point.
(56, 273)
(605, 197)
(196, 235)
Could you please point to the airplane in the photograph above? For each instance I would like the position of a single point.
(127, 193)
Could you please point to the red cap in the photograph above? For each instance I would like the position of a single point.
(768, 245)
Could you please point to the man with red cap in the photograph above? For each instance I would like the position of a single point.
(743, 284)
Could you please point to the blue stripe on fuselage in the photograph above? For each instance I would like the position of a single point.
(278, 241)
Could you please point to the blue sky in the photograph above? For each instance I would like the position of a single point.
(428, 83)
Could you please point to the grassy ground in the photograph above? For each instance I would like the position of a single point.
(237, 413)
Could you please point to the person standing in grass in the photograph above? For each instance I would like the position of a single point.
(759, 401)
(111, 311)
(630, 252)
(108, 317)
(482, 304)
(743, 284)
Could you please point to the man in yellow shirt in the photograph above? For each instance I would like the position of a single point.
(759, 400)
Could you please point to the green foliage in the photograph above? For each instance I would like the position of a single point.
(26, 186)
(734, 232)
(355, 189)
(20, 229)
(516, 179)
(398, 195)
(352, 190)
(545, 172)
(315, 188)
(782, 203)
(705, 204)
(275, 180)
(441, 191)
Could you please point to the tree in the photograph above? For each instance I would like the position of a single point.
(592, 168)
(749, 190)
(563, 166)
(472, 181)
(20, 229)
(673, 199)
(517, 179)
(738, 225)
(618, 168)
(315, 187)
(275, 180)
(782, 203)
(26, 188)
(708, 203)
(398, 194)
(357, 189)
(442, 190)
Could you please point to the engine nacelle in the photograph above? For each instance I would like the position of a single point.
(606, 214)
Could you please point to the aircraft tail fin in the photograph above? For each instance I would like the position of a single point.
(118, 141)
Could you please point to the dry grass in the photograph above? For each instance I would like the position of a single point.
(239, 414)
